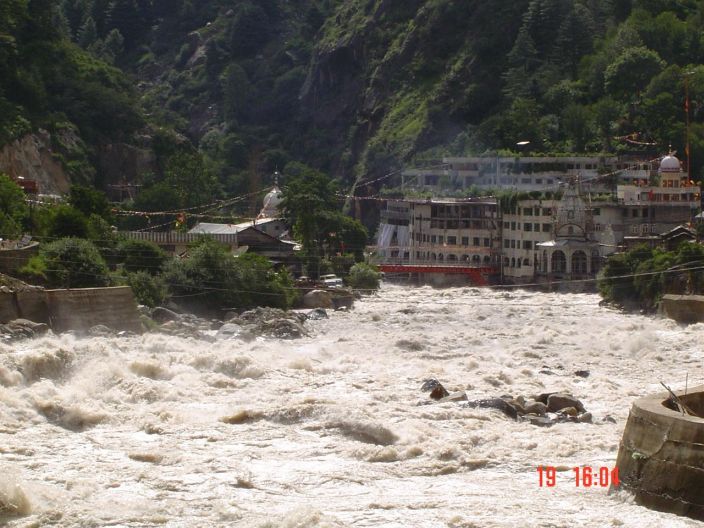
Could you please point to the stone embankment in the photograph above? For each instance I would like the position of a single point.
(661, 456)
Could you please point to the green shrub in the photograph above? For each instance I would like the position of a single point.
(364, 277)
(212, 280)
(73, 263)
(141, 255)
(148, 290)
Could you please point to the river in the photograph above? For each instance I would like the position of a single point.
(327, 430)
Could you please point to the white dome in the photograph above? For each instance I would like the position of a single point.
(670, 164)
(273, 198)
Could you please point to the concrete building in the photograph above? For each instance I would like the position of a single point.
(536, 238)
(524, 173)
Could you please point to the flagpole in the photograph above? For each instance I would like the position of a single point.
(686, 109)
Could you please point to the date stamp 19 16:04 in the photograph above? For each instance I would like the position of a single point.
(585, 476)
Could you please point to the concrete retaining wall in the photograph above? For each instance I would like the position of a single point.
(661, 456)
(80, 309)
(77, 310)
(685, 309)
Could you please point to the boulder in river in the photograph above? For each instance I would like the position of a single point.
(318, 299)
(22, 329)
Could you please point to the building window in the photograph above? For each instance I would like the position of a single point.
(506, 225)
(513, 226)
(506, 243)
(513, 244)
(547, 211)
(596, 211)
(475, 241)
(536, 228)
(487, 242)
(527, 244)
(546, 228)
(452, 240)
(433, 239)
(465, 241)
(527, 227)
(528, 211)
(539, 181)
(634, 213)
(441, 239)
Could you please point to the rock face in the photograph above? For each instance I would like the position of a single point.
(119, 161)
(32, 158)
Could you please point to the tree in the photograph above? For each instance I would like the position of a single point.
(574, 38)
(124, 16)
(193, 181)
(364, 277)
(523, 61)
(73, 263)
(66, 221)
(249, 30)
(307, 197)
(114, 45)
(88, 33)
(141, 255)
(631, 72)
(211, 280)
(13, 209)
(89, 201)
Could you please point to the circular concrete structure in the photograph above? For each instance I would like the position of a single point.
(661, 457)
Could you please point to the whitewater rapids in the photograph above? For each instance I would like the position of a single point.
(326, 430)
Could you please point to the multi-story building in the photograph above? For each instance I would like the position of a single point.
(521, 238)
(447, 236)
(524, 173)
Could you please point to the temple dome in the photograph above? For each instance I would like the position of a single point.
(272, 201)
(670, 164)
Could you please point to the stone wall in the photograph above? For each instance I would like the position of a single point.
(76, 310)
(661, 456)
(685, 309)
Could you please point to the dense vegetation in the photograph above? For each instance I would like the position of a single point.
(353, 88)
(640, 277)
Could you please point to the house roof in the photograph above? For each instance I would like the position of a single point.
(207, 228)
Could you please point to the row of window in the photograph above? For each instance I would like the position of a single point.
(518, 244)
(516, 226)
(441, 257)
(451, 240)
(535, 211)
(459, 224)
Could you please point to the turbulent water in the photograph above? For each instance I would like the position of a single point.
(328, 430)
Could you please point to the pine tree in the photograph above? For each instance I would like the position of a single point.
(124, 16)
(574, 38)
(88, 33)
(523, 61)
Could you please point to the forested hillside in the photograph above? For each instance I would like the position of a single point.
(357, 87)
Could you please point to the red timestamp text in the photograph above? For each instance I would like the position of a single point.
(584, 476)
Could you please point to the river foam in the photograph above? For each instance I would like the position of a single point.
(332, 429)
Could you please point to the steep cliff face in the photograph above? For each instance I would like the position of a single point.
(394, 78)
(32, 157)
